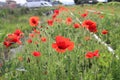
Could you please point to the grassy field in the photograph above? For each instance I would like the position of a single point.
(63, 45)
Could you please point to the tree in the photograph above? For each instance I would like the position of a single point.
(80, 1)
(85, 1)
(76, 1)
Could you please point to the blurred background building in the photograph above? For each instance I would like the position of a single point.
(11, 4)
(38, 0)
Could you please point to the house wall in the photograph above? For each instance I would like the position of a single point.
(38, 0)
(11, 4)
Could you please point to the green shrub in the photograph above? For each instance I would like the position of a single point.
(24, 11)
(100, 4)
(114, 3)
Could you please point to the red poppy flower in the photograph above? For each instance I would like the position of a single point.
(20, 58)
(56, 12)
(87, 38)
(36, 54)
(84, 15)
(69, 20)
(96, 53)
(18, 32)
(104, 32)
(62, 44)
(29, 40)
(101, 16)
(13, 38)
(54, 16)
(90, 25)
(59, 20)
(50, 22)
(31, 35)
(76, 25)
(98, 12)
(7, 43)
(36, 42)
(92, 54)
(89, 55)
(43, 39)
(34, 21)
(19, 42)
(62, 8)
(36, 31)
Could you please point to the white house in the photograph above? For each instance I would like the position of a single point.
(37, 0)
(66, 2)
(102, 0)
(37, 3)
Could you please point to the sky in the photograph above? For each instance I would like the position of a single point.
(23, 1)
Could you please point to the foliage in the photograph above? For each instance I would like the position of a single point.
(100, 4)
(49, 64)
(11, 16)
(114, 3)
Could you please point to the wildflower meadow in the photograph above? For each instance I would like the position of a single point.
(72, 43)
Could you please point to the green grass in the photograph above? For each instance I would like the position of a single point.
(71, 65)
(17, 19)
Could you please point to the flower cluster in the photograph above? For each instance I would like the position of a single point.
(92, 54)
(13, 38)
(55, 14)
(90, 25)
(62, 44)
